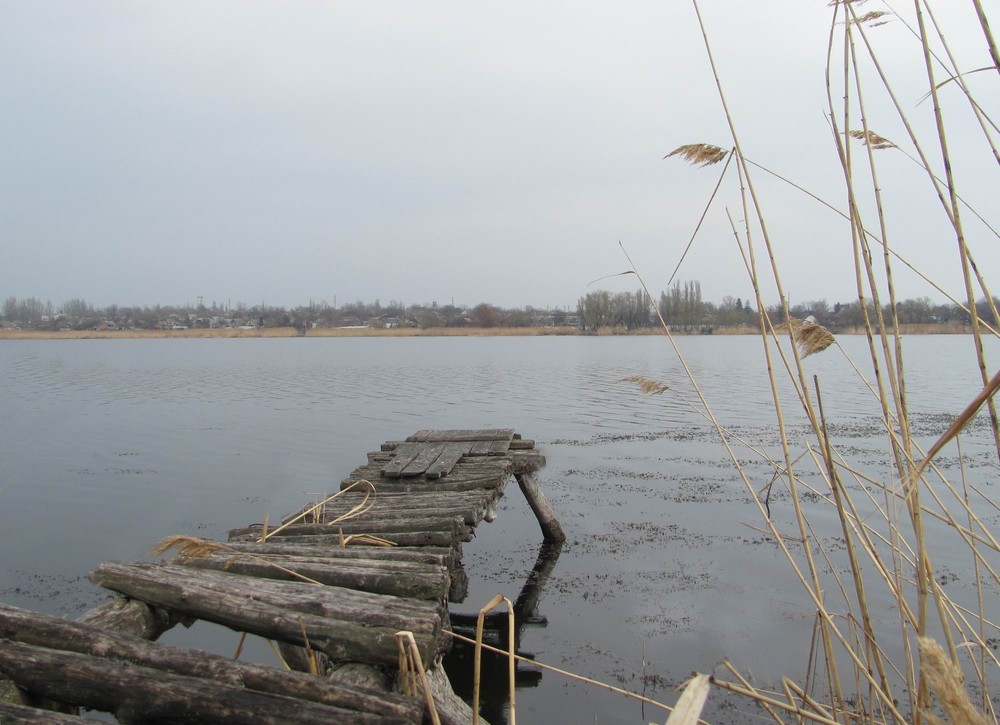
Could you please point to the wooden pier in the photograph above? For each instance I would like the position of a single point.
(334, 585)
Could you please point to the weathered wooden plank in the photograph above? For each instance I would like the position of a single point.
(461, 435)
(451, 455)
(345, 624)
(142, 694)
(55, 633)
(481, 448)
(499, 448)
(400, 579)
(404, 455)
(422, 461)
(521, 444)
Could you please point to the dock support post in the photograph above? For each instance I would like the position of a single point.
(551, 529)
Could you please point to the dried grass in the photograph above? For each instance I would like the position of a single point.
(946, 681)
(809, 336)
(188, 547)
(861, 668)
(699, 154)
(872, 139)
(646, 385)
(689, 705)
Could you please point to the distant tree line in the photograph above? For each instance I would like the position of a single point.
(77, 314)
(681, 306)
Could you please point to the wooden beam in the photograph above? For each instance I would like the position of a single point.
(541, 507)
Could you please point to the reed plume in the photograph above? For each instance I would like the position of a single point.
(699, 154)
(946, 681)
(811, 337)
(188, 547)
(646, 385)
(872, 139)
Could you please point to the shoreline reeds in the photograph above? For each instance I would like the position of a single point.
(921, 662)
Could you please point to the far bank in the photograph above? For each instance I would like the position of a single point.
(225, 333)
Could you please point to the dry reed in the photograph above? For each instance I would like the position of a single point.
(646, 385)
(861, 669)
(809, 336)
(699, 154)
(946, 681)
(411, 671)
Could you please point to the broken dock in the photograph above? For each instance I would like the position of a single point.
(353, 590)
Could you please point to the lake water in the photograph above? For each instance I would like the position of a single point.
(107, 446)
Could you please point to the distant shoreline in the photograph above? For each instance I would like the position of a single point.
(226, 333)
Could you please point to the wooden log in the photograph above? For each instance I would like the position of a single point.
(358, 675)
(521, 444)
(526, 461)
(59, 634)
(551, 529)
(130, 616)
(423, 505)
(9, 693)
(345, 624)
(136, 694)
(439, 555)
(404, 538)
(328, 547)
(483, 465)
(468, 504)
(400, 579)
(370, 524)
(491, 481)
(11, 714)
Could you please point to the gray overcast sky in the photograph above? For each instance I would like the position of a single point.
(153, 152)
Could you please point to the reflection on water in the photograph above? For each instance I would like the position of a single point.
(106, 446)
(494, 667)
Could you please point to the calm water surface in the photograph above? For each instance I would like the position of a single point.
(108, 445)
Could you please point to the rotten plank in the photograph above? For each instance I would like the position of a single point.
(450, 456)
(499, 448)
(481, 448)
(461, 435)
(422, 461)
(404, 455)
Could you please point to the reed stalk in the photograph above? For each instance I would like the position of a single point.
(861, 669)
